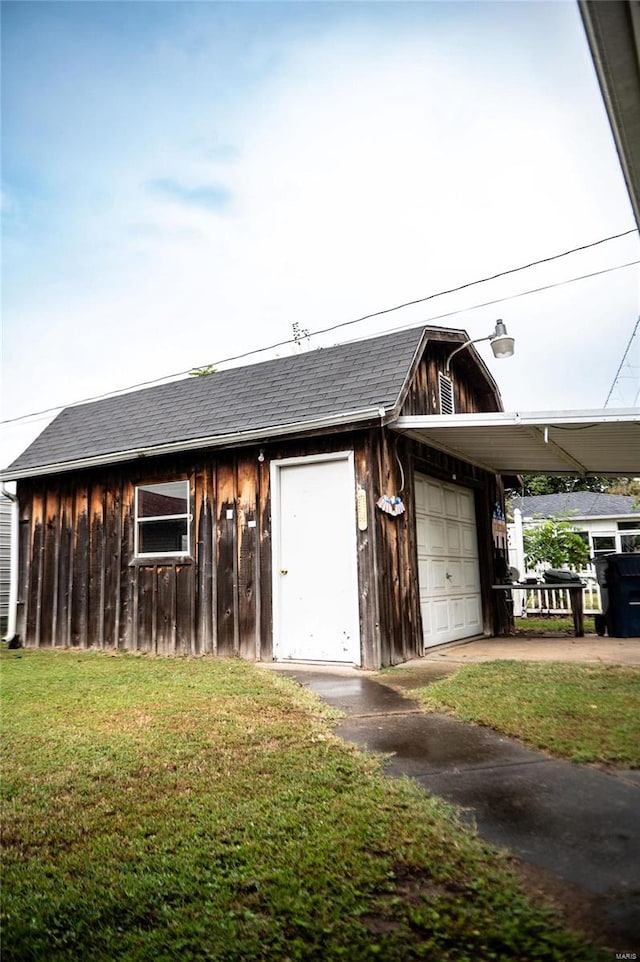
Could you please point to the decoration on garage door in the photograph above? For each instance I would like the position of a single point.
(499, 527)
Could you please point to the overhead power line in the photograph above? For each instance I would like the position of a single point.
(366, 317)
(624, 357)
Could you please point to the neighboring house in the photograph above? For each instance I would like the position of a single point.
(238, 513)
(5, 560)
(607, 522)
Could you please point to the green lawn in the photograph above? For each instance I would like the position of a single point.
(581, 712)
(162, 809)
(551, 625)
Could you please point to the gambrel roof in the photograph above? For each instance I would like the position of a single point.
(327, 387)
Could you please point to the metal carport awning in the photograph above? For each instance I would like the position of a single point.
(581, 443)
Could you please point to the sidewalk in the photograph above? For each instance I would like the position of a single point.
(578, 826)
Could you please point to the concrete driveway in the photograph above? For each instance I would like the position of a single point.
(575, 826)
(587, 650)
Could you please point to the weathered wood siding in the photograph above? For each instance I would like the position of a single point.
(82, 586)
(471, 392)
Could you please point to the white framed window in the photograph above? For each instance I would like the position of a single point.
(446, 394)
(163, 519)
(629, 534)
(603, 544)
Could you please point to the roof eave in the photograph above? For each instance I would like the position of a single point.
(237, 439)
(613, 34)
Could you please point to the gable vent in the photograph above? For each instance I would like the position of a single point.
(446, 395)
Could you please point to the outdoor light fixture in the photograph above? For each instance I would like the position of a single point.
(501, 343)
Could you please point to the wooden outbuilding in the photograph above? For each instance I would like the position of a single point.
(267, 511)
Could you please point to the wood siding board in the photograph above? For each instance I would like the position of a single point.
(226, 559)
(111, 577)
(144, 606)
(236, 534)
(247, 552)
(25, 510)
(202, 560)
(367, 578)
(96, 566)
(264, 623)
(127, 635)
(80, 595)
(37, 558)
(164, 610)
(184, 610)
(64, 560)
(416, 636)
(215, 581)
(385, 561)
(117, 561)
(48, 603)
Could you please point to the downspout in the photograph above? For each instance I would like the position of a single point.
(11, 637)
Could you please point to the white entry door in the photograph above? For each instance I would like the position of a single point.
(448, 572)
(315, 578)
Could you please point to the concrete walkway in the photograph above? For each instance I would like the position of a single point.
(578, 825)
(588, 650)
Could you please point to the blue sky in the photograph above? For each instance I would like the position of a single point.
(184, 181)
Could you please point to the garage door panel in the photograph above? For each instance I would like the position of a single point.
(425, 611)
(454, 539)
(448, 572)
(436, 537)
(451, 508)
(437, 576)
(440, 612)
(469, 541)
(471, 576)
(434, 499)
(457, 613)
(467, 508)
(473, 614)
(453, 575)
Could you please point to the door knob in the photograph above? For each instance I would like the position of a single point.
(284, 571)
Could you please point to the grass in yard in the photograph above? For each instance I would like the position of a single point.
(203, 810)
(580, 712)
(552, 625)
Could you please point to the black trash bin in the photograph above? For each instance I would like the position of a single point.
(622, 579)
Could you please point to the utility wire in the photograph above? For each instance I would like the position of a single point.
(624, 357)
(509, 297)
(365, 317)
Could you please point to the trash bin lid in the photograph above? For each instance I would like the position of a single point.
(625, 565)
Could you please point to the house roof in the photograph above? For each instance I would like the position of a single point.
(613, 32)
(344, 384)
(577, 504)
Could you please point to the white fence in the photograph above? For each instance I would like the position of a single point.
(546, 601)
(554, 601)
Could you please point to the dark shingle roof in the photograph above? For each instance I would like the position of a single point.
(576, 504)
(324, 383)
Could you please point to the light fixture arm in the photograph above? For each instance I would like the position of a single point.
(475, 340)
(502, 344)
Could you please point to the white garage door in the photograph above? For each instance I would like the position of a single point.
(448, 570)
